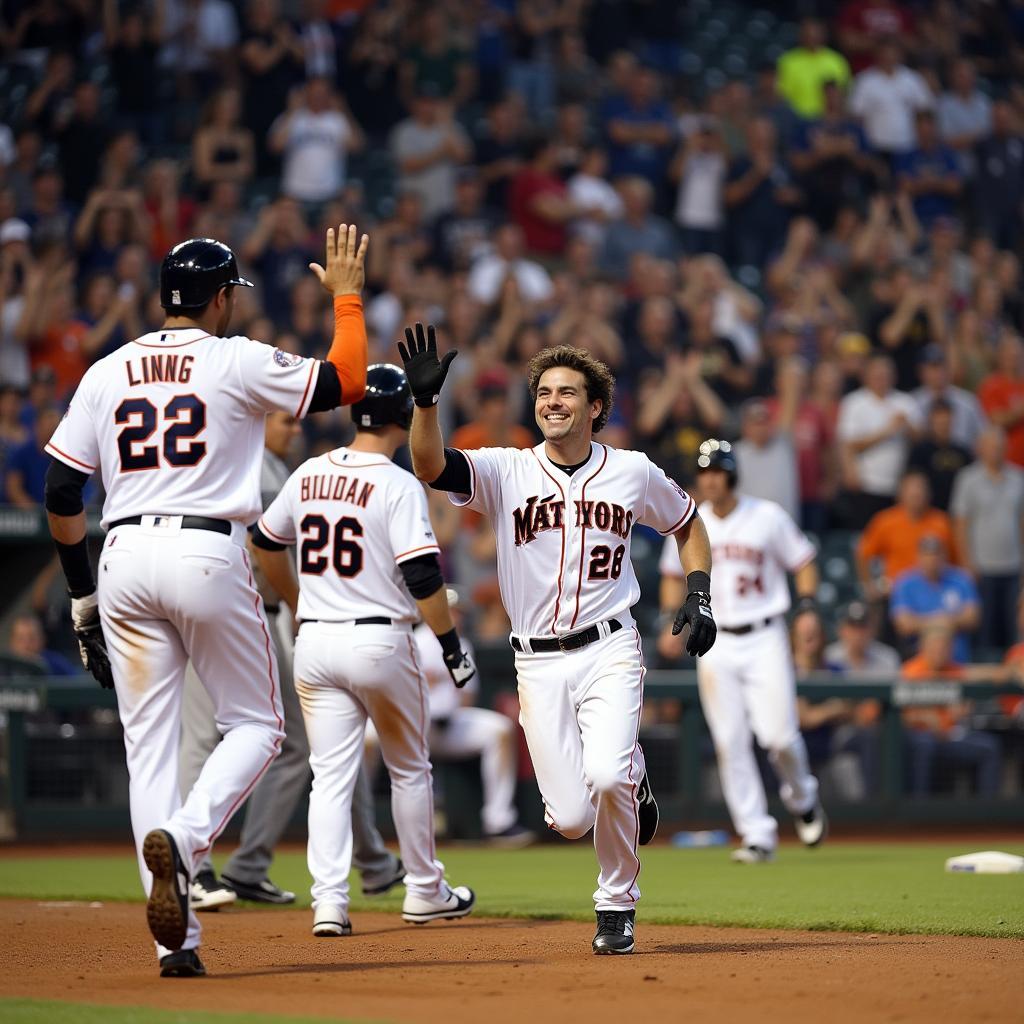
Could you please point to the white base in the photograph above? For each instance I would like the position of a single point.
(988, 862)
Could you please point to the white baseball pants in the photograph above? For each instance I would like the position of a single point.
(345, 674)
(165, 595)
(747, 691)
(580, 711)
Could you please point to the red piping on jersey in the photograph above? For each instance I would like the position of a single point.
(70, 458)
(309, 380)
(412, 551)
(806, 562)
(280, 724)
(583, 535)
(561, 557)
(472, 477)
(356, 465)
(180, 344)
(270, 533)
(636, 743)
(686, 516)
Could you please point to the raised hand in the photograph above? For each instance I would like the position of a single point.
(424, 371)
(344, 272)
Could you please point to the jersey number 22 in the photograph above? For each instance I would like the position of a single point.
(184, 418)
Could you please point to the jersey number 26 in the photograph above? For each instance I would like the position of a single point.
(346, 555)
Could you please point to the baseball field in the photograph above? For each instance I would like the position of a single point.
(855, 930)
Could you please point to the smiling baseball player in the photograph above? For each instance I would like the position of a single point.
(563, 515)
(368, 570)
(746, 683)
(174, 422)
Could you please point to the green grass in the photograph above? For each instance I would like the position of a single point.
(870, 887)
(44, 1011)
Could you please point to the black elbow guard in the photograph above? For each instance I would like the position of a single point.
(422, 576)
(64, 486)
(327, 390)
(261, 540)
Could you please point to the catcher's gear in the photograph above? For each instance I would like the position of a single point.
(387, 398)
(696, 610)
(460, 667)
(194, 271)
(714, 454)
(426, 373)
(92, 647)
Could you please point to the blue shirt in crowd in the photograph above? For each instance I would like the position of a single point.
(913, 592)
(939, 161)
(639, 158)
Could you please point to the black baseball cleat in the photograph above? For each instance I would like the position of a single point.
(263, 891)
(647, 811)
(182, 963)
(379, 885)
(167, 906)
(614, 931)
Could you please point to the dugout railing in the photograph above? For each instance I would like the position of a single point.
(63, 761)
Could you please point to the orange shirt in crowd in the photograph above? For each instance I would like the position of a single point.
(1010, 704)
(60, 348)
(893, 536)
(926, 717)
(997, 394)
(476, 435)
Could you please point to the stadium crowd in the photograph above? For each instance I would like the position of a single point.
(816, 255)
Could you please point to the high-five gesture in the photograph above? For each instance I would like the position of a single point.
(425, 372)
(343, 273)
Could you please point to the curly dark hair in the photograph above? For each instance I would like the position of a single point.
(599, 379)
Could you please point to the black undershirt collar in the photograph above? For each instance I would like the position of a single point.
(569, 470)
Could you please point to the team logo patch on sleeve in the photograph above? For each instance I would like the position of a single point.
(286, 359)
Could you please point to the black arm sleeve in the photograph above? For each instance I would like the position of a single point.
(327, 390)
(456, 473)
(422, 576)
(64, 486)
(261, 540)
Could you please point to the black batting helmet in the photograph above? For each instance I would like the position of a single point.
(194, 271)
(387, 399)
(715, 454)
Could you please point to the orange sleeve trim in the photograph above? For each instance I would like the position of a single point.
(348, 347)
(69, 459)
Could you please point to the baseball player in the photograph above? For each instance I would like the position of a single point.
(272, 803)
(563, 514)
(174, 422)
(746, 683)
(368, 569)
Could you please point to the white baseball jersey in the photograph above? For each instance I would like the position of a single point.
(752, 549)
(564, 541)
(174, 420)
(354, 517)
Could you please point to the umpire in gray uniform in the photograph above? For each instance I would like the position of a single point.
(273, 801)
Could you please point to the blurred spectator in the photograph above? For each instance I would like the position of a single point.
(856, 651)
(498, 153)
(937, 454)
(493, 426)
(427, 148)
(1002, 394)
(942, 733)
(759, 196)
(864, 25)
(314, 137)
(47, 102)
(132, 39)
(81, 140)
(721, 366)
(930, 172)
(110, 312)
(935, 590)
(223, 217)
(638, 127)
(539, 201)
(169, 209)
(15, 262)
(435, 61)
(27, 640)
(699, 167)
(535, 27)
(988, 517)
(27, 464)
(805, 70)
(199, 40)
(886, 97)
(464, 232)
(637, 231)
(12, 431)
(876, 427)
(490, 271)
(222, 149)
(47, 213)
(967, 418)
(889, 545)
(593, 197)
(110, 220)
(965, 113)
(278, 248)
(999, 178)
(369, 72)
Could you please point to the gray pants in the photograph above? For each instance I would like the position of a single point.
(273, 801)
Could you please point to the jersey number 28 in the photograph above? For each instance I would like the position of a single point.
(347, 554)
(184, 418)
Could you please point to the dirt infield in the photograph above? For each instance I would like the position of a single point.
(508, 971)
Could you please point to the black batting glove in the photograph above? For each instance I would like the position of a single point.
(424, 371)
(696, 612)
(92, 646)
(459, 664)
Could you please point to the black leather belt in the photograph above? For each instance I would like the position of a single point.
(371, 620)
(570, 642)
(187, 523)
(748, 628)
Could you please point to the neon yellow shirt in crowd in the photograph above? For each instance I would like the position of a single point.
(802, 73)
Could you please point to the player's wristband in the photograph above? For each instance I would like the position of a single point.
(74, 560)
(698, 583)
(807, 603)
(450, 643)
